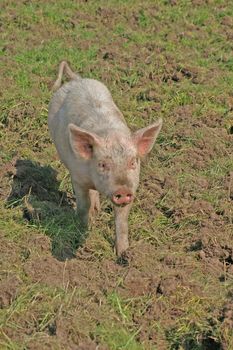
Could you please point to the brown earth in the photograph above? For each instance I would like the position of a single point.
(158, 275)
(141, 274)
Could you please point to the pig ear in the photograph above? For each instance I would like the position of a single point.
(82, 141)
(145, 138)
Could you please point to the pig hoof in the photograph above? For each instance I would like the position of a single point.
(94, 210)
(124, 259)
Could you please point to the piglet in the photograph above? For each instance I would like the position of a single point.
(97, 147)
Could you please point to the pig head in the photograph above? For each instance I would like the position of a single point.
(100, 152)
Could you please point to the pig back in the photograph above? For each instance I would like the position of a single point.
(88, 104)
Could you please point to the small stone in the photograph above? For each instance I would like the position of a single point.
(202, 254)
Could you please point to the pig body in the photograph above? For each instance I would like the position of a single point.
(97, 147)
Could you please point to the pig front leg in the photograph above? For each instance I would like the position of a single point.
(83, 203)
(121, 228)
(95, 203)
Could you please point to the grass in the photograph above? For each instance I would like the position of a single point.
(61, 288)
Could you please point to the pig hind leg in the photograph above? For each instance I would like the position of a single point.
(83, 203)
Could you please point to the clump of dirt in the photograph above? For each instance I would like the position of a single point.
(10, 251)
(149, 95)
(9, 288)
(173, 261)
(168, 285)
(106, 15)
(34, 245)
(183, 114)
(152, 189)
(6, 170)
(204, 208)
(41, 242)
(226, 315)
(15, 116)
(137, 283)
(178, 73)
(46, 270)
(215, 253)
(151, 313)
(77, 272)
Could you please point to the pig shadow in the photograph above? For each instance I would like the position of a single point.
(35, 189)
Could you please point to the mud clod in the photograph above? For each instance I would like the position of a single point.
(9, 288)
(168, 286)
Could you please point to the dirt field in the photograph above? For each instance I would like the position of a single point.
(60, 290)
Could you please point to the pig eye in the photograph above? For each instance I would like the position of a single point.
(132, 163)
(103, 166)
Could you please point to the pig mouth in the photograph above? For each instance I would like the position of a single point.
(120, 205)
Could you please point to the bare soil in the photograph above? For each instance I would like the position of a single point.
(177, 275)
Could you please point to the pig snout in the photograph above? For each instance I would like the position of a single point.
(122, 196)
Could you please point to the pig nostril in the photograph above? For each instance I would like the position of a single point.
(118, 196)
(122, 198)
